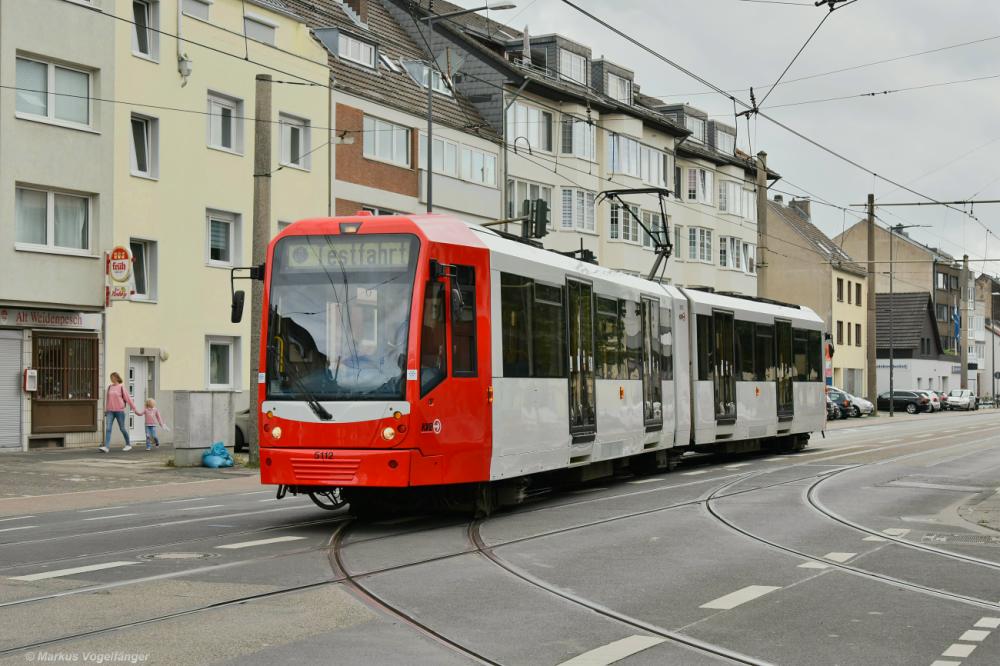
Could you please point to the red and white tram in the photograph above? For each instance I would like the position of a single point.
(421, 351)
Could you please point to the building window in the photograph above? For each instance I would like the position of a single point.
(531, 125)
(840, 332)
(358, 51)
(725, 142)
(700, 244)
(724, 251)
(701, 185)
(623, 225)
(653, 222)
(223, 238)
(52, 220)
(68, 367)
(52, 92)
(418, 71)
(625, 155)
(259, 29)
(386, 141)
(678, 242)
(479, 166)
(145, 32)
(144, 268)
(857, 336)
(222, 359)
(145, 146)
(197, 8)
(375, 210)
(840, 289)
(697, 128)
(295, 141)
(577, 209)
(225, 123)
(750, 258)
(572, 66)
(848, 334)
(619, 88)
(445, 156)
(850, 292)
(579, 138)
(519, 192)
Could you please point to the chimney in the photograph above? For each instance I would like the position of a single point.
(804, 206)
(778, 199)
(360, 7)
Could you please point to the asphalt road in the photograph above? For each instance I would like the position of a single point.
(879, 544)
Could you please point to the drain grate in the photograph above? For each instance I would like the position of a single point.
(971, 539)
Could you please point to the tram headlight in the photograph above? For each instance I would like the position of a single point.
(388, 433)
(276, 432)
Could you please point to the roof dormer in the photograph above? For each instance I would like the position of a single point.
(690, 118)
(614, 81)
(722, 137)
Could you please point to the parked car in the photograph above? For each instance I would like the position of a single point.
(832, 411)
(944, 399)
(909, 401)
(242, 427)
(934, 398)
(861, 406)
(962, 399)
(842, 401)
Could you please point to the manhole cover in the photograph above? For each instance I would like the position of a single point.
(178, 556)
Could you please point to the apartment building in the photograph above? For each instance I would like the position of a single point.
(183, 179)
(908, 341)
(56, 195)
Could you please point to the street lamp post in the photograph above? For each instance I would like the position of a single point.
(429, 20)
(993, 351)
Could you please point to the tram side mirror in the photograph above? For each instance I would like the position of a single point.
(236, 314)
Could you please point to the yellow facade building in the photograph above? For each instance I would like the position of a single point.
(183, 179)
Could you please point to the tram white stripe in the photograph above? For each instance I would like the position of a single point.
(5, 520)
(988, 623)
(974, 635)
(958, 650)
(612, 652)
(734, 599)
(12, 529)
(119, 515)
(69, 572)
(259, 542)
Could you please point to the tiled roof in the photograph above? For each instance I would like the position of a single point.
(272, 4)
(906, 314)
(393, 89)
(798, 221)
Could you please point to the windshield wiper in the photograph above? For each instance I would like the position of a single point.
(311, 400)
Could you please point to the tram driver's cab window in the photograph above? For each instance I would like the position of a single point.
(433, 339)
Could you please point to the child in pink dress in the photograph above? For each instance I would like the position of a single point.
(153, 419)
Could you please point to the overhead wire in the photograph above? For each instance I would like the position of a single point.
(879, 93)
(796, 56)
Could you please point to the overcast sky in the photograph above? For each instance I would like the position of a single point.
(942, 141)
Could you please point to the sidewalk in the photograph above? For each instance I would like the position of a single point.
(60, 479)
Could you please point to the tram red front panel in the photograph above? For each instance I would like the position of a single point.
(447, 437)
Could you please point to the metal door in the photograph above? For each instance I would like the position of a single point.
(138, 387)
(724, 374)
(582, 398)
(785, 362)
(10, 390)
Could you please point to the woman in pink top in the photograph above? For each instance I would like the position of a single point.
(114, 410)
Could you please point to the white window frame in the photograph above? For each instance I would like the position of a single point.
(151, 269)
(579, 214)
(724, 251)
(700, 245)
(345, 45)
(735, 253)
(235, 237)
(418, 71)
(193, 7)
(479, 175)
(749, 258)
(50, 224)
(525, 123)
(625, 155)
(216, 103)
(51, 95)
(389, 63)
(572, 67)
(286, 123)
(627, 227)
(257, 22)
(704, 184)
(619, 88)
(731, 198)
(697, 127)
(514, 203)
(442, 162)
(152, 30)
(233, 344)
(730, 142)
(578, 137)
(376, 131)
(653, 221)
(679, 236)
(152, 147)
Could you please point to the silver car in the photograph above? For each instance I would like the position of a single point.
(861, 407)
(934, 399)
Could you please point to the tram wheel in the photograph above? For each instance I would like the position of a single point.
(331, 500)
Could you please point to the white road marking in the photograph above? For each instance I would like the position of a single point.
(119, 515)
(942, 662)
(839, 557)
(197, 508)
(635, 483)
(695, 473)
(257, 492)
(12, 529)
(738, 597)
(892, 441)
(103, 508)
(5, 520)
(988, 623)
(935, 486)
(69, 572)
(975, 635)
(958, 650)
(259, 542)
(874, 538)
(269, 499)
(192, 499)
(813, 565)
(896, 531)
(612, 652)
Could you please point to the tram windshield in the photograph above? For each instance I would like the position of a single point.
(339, 317)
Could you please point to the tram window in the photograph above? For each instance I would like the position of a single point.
(433, 343)
(815, 357)
(764, 370)
(706, 342)
(652, 388)
(515, 311)
(632, 322)
(666, 345)
(463, 322)
(800, 353)
(609, 343)
(744, 351)
(548, 332)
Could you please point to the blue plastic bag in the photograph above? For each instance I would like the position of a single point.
(217, 456)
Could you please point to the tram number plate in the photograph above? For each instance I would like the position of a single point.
(323, 455)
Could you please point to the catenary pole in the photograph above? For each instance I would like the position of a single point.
(762, 270)
(258, 250)
(964, 321)
(872, 378)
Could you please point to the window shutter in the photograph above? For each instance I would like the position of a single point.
(567, 136)
(567, 208)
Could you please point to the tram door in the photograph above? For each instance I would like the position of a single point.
(724, 374)
(582, 398)
(784, 361)
(652, 387)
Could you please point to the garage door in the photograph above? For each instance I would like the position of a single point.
(10, 390)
